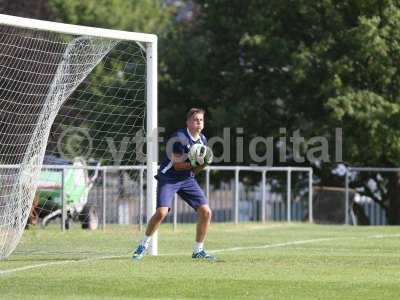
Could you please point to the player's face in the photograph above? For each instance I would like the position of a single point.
(196, 122)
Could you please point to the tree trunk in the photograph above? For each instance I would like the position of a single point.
(393, 207)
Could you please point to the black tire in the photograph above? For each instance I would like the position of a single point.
(89, 218)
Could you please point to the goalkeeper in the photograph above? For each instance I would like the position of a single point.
(187, 155)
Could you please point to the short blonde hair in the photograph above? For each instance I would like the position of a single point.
(194, 111)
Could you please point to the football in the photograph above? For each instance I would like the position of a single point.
(197, 153)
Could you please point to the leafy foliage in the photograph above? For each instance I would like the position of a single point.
(150, 16)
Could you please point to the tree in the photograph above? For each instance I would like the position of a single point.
(367, 103)
(308, 65)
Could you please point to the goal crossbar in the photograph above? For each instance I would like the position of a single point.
(76, 29)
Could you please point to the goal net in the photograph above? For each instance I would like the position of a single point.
(70, 91)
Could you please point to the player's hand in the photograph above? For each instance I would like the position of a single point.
(193, 163)
(198, 169)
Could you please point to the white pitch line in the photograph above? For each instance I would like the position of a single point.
(34, 266)
(276, 245)
(382, 236)
(63, 262)
(265, 246)
(378, 236)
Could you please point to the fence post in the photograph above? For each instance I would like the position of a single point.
(289, 195)
(346, 205)
(104, 199)
(310, 196)
(63, 200)
(175, 219)
(141, 199)
(236, 210)
(208, 184)
(263, 196)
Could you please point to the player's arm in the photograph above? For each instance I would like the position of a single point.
(180, 165)
(178, 157)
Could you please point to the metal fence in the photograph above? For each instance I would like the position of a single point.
(277, 194)
(272, 194)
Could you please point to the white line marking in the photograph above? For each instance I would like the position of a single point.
(265, 246)
(58, 263)
(34, 266)
(382, 236)
(376, 236)
(276, 245)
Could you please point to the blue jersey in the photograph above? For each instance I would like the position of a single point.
(179, 143)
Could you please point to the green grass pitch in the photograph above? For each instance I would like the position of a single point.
(272, 261)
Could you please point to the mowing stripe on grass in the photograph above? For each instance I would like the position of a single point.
(2, 272)
(378, 236)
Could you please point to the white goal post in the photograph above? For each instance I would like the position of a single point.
(62, 56)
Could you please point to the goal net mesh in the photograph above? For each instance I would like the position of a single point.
(63, 96)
